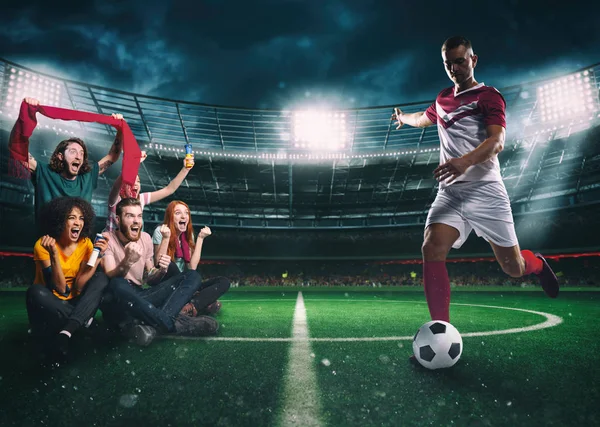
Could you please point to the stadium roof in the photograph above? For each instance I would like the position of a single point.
(252, 169)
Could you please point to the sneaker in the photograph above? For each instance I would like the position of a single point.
(141, 335)
(213, 308)
(195, 326)
(548, 279)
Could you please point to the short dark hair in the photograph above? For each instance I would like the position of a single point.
(128, 201)
(456, 41)
(54, 215)
(58, 165)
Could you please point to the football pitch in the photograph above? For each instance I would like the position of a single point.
(321, 356)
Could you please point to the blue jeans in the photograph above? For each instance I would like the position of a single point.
(159, 305)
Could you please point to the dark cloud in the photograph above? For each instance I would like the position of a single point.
(278, 53)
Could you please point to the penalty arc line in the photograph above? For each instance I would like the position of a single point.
(551, 321)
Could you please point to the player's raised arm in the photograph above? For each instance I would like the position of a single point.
(419, 119)
(115, 150)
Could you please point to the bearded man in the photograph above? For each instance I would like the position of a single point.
(138, 287)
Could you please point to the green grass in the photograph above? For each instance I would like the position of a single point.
(546, 377)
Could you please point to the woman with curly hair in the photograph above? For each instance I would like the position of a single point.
(66, 291)
(175, 237)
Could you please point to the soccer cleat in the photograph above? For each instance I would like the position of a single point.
(547, 278)
(195, 326)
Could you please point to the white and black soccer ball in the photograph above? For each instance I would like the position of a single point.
(437, 345)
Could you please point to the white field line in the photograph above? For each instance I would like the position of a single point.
(301, 406)
(551, 321)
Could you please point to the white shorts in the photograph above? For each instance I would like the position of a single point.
(482, 206)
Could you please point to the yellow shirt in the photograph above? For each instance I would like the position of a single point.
(69, 264)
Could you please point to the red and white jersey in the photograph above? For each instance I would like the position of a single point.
(462, 120)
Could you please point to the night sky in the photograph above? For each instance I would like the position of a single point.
(285, 53)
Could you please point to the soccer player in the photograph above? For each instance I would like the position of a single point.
(175, 238)
(471, 124)
(69, 172)
(138, 287)
(145, 198)
(66, 292)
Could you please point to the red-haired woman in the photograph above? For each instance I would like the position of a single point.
(175, 237)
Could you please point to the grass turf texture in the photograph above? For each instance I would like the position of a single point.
(545, 377)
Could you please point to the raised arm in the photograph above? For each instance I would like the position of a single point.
(53, 273)
(195, 258)
(85, 271)
(115, 150)
(419, 120)
(157, 195)
(163, 246)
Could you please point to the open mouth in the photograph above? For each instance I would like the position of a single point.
(182, 224)
(74, 233)
(135, 230)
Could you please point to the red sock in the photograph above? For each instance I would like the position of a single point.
(437, 289)
(532, 263)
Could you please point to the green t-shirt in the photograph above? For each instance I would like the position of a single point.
(50, 185)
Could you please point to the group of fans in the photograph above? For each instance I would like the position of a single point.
(143, 285)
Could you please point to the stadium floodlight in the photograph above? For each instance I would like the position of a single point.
(23, 84)
(319, 130)
(568, 98)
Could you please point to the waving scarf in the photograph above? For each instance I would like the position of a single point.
(18, 144)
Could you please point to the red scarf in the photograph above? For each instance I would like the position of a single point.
(18, 144)
(182, 248)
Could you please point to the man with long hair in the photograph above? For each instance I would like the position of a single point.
(471, 123)
(140, 289)
(175, 238)
(69, 172)
(66, 292)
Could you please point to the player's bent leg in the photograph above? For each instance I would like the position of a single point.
(517, 263)
(439, 238)
(510, 259)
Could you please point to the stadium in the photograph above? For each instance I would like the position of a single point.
(324, 210)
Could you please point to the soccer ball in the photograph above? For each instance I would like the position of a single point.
(437, 345)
